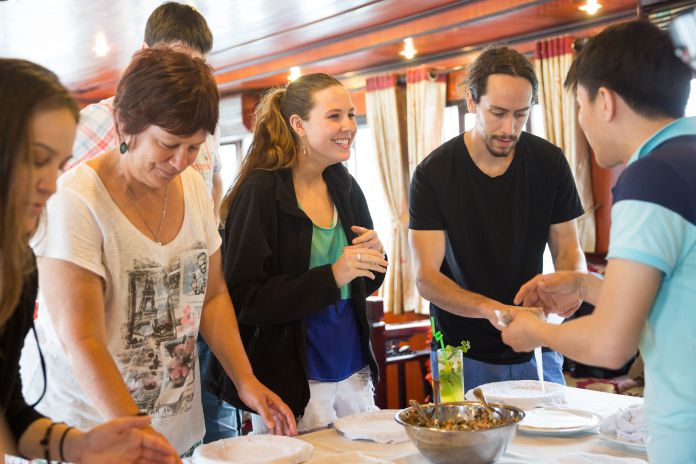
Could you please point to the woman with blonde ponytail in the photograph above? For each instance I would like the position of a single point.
(301, 256)
(273, 146)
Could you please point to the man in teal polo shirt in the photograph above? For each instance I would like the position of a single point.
(632, 91)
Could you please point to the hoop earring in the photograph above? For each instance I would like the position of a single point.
(123, 148)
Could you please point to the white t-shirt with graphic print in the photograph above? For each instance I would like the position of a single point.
(153, 302)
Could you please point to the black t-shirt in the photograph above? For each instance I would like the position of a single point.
(496, 228)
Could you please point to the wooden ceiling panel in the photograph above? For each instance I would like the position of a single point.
(377, 42)
(257, 41)
(331, 28)
(453, 31)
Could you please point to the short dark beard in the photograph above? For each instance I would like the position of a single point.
(502, 155)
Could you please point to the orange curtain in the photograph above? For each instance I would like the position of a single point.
(385, 108)
(553, 59)
(425, 109)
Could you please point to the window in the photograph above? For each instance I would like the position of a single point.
(363, 166)
(537, 121)
(229, 161)
(691, 103)
(469, 121)
(450, 123)
(231, 155)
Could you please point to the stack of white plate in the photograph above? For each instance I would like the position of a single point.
(254, 449)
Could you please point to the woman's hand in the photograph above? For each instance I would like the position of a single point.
(126, 440)
(367, 238)
(358, 261)
(275, 413)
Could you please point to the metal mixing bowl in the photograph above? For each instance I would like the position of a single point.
(453, 446)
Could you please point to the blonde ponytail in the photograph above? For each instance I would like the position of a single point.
(275, 145)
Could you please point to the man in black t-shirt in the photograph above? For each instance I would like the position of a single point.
(482, 208)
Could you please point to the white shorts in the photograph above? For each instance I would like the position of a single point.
(329, 401)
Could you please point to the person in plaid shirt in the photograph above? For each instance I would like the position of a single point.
(181, 27)
(174, 25)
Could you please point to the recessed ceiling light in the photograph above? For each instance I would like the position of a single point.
(294, 73)
(101, 47)
(409, 50)
(590, 7)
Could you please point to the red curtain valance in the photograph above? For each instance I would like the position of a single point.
(421, 73)
(554, 47)
(381, 82)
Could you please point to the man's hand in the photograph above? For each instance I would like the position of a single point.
(560, 292)
(523, 331)
(501, 316)
(275, 413)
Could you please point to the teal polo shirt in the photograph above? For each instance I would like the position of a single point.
(654, 223)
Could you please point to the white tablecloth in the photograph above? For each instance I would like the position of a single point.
(525, 448)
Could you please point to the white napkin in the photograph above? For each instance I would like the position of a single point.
(378, 426)
(254, 449)
(525, 394)
(350, 458)
(504, 318)
(628, 425)
(555, 419)
(592, 458)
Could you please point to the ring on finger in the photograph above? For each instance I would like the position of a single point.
(359, 257)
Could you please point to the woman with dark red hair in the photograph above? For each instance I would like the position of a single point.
(122, 284)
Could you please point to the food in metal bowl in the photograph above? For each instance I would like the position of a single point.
(462, 432)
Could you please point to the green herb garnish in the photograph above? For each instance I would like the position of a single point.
(447, 373)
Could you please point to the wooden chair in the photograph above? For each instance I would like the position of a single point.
(386, 339)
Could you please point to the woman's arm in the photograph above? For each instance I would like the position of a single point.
(119, 441)
(262, 297)
(221, 332)
(75, 302)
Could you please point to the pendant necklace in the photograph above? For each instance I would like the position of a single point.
(156, 236)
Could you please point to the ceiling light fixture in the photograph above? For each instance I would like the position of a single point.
(590, 7)
(294, 73)
(409, 50)
(101, 48)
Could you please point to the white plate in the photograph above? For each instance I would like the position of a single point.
(609, 436)
(525, 394)
(254, 449)
(355, 457)
(592, 458)
(558, 421)
(378, 426)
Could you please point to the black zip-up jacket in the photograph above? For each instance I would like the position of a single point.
(267, 245)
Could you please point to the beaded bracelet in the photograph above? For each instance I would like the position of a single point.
(46, 441)
(62, 442)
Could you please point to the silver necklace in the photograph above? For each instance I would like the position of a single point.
(137, 207)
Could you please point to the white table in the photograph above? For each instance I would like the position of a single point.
(525, 448)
